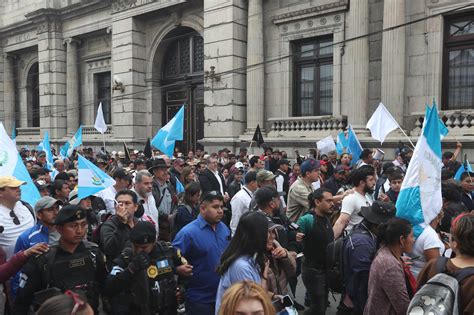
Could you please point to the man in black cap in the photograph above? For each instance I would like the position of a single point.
(142, 280)
(72, 264)
(359, 251)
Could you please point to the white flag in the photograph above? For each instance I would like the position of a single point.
(326, 145)
(100, 124)
(381, 123)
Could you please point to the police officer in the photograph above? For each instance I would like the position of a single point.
(72, 264)
(142, 280)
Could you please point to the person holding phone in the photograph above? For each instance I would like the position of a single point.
(282, 265)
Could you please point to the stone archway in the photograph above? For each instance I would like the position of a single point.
(169, 92)
(32, 96)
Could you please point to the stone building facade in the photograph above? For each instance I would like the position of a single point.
(301, 69)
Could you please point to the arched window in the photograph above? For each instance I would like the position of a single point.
(185, 55)
(33, 104)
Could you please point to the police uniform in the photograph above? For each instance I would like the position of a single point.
(59, 270)
(151, 290)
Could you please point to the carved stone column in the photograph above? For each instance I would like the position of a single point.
(358, 63)
(255, 68)
(393, 58)
(72, 86)
(9, 92)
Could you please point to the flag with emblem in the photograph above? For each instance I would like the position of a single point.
(167, 136)
(420, 198)
(12, 165)
(162, 263)
(91, 178)
(46, 147)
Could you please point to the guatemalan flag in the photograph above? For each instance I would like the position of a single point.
(91, 178)
(354, 147)
(420, 198)
(12, 165)
(46, 147)
(166, 137)
(74, 142)
(341, 142)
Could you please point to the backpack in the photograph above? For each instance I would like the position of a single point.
(335, 265)
(441, 295)
(96, 232)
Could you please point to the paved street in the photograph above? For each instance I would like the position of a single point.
(300, 291)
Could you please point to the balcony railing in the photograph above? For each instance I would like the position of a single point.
(459, 123)
(28, 131)
(90, 130)
(306, 126)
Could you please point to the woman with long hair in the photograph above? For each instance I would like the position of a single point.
(462, 243)
(246, 297)
(187, 176)
(244, 258)
(389, 288)
(188, 210)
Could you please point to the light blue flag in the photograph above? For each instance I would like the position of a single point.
(465, 167)
(179, 186)
(353, 146)
(166, 137)
(63, 150)
(91, 178)
(443, 130)
(46, 147)
(341, 142)
(420, 198)
(74, 142)
(12, 165)
(14, 131)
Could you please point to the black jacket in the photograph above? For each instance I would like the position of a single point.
(114, 237)
(210, 183)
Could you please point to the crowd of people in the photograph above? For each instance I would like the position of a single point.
(228, 233)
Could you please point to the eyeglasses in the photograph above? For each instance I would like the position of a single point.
(15, 218)
(78, 302)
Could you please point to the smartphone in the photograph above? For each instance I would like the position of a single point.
(283, 302)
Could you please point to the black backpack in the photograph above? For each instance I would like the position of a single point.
(335, 265)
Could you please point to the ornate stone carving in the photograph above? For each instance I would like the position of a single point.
(323, 21)
(312, 11)
(297, 26)
(122, 5)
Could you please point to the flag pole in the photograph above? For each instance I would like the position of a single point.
(103, 139)
(250, 146)
(403, 131)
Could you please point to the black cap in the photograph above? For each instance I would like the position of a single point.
(379, 212)
(121, 174)
(143, 232)
(70, 213)
(265, 194)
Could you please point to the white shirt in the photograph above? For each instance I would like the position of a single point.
(351, 205)
(108, 195)
(12, 231)
(149, 207)
(216, 174)
(428, 239)
(279, 182)
(240, 204)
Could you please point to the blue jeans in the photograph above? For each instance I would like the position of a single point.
(193, 308)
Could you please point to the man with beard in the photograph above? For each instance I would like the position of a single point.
(364, 181)
(316, 233)
(143, 188)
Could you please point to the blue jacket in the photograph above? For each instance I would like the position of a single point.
(37, 234)
(359, 251)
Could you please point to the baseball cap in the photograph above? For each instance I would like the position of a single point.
(379, 212)
(265, 175)
(10, 181)
(179, 162)
(323, 162)
(142, 233)
(239, 165)
(70, 213)
(46, 202)
(265, 194)
(309, 165)
(342, 168)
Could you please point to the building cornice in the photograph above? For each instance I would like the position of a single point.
(342, 5)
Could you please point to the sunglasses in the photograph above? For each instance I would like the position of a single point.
(14, 217)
